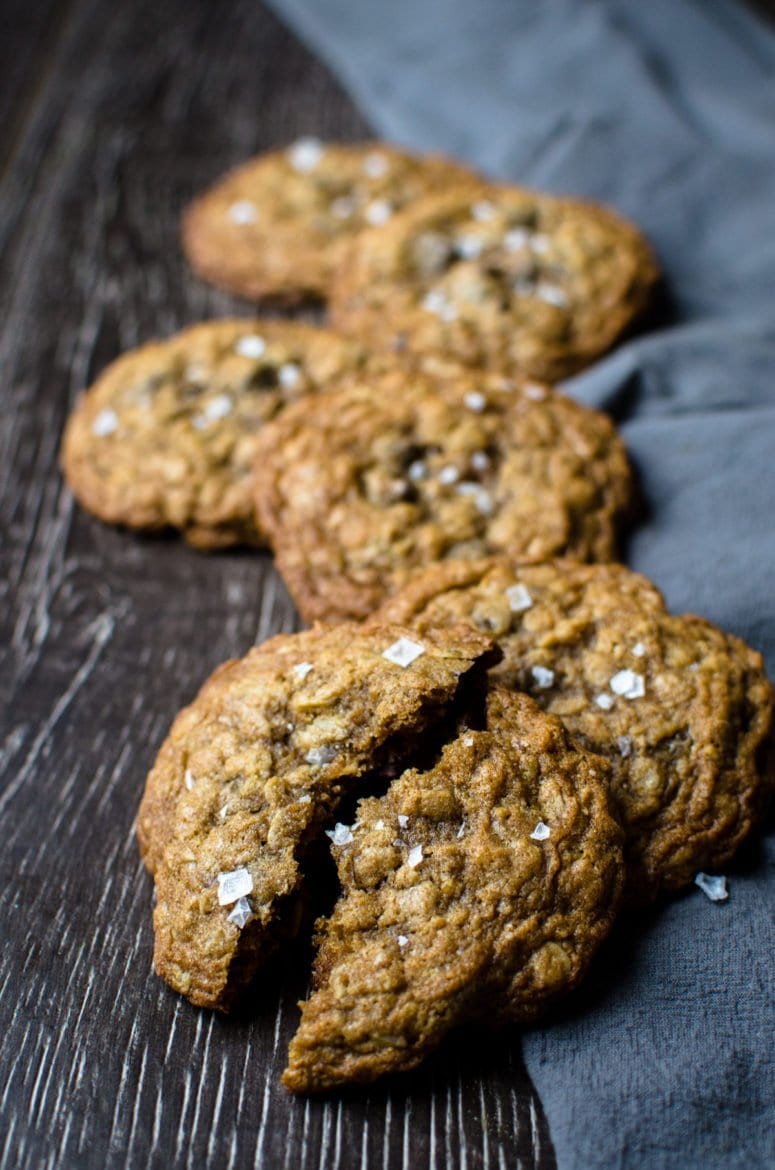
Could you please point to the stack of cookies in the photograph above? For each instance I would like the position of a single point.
(497, 731)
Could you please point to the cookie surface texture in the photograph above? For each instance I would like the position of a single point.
(497, 277)
(255, 765)
(274, 227)
(402, 470)
(166, 436)
(477, 889)
(682, 711)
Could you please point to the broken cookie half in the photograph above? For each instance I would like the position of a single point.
(254, 768)
(480, 882)
(478, 888)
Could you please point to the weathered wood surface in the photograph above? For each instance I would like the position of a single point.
(112, 116)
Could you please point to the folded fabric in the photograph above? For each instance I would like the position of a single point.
(666, 110)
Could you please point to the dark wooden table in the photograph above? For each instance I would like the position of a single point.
(112, 116)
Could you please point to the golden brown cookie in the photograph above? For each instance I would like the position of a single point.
(274, 226)
(683, 712)
(166, 436)
(401, 470)
(478, 889)
(255, 766)
(498, 277)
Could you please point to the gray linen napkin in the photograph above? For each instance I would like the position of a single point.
(666, 109)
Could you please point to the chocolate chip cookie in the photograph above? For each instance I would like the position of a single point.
(682, 711)
(477, 889)
(401, 470)
(497, 277)
(254, 768)
(274, 226)
(166, 436)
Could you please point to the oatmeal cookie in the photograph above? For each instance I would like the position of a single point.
(402, 470)
(479, 888)
(254, 768)
(682, 711)
(274, 227)
(497, 277)
(166, 436)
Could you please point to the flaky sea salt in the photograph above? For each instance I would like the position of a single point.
(542, 676)
(289, 375)
(415, 857)
(305, 798)
(251, 346)
(105, 423)
(403, 652)
(402, 941)
(188, 779)
(302, 669)
(378, 212)
(516, 239)
(714, 888)
(469, 247)
(242, 913)
(624, 744)
(403, 820)
(604, 701)
(317, 756)
(305, 154)
(552, 295)
(483, 211)
(475, 401)
(217, 408)
(519, 598)
(628, 684)
(534, 391)
(342, 207)
(417, 471)
(243, 211)
(232, 886)
(540, 832)
(639, 649)
(340, 834)
(375, 166)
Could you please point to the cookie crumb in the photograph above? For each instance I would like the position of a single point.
(188, 779)
(342, 207)
(714, 888)
(535, 392)
(232, 886)
(403, 652)
(483, 211)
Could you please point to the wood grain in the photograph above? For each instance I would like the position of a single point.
(113, 116)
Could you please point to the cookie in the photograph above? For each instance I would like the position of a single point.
(497, 277)
(274, 226)
(402, 470)
(682, 711)
(478, 889)
(259, 762)
(166, 436)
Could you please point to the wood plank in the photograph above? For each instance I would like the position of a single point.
(122, 112)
